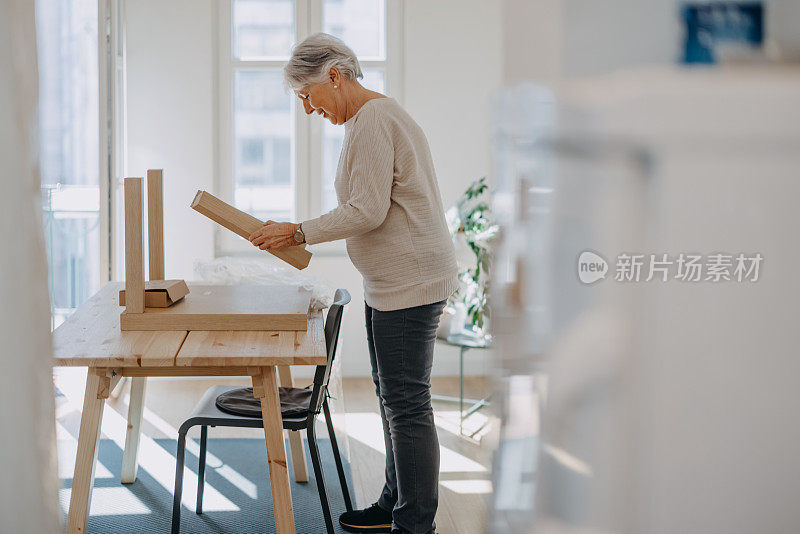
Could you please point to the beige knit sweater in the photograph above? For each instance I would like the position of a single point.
(390, 210)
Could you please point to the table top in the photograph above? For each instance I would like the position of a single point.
(91, 337)
(467, 339)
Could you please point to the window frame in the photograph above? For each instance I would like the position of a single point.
(113, 133)
(308, 131)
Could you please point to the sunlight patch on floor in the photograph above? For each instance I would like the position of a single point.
(571, 462)
(476, 426)
(476, 487)
(67, 448)
(153, 459)
(242, 483)
(108, 501)
(367, 428)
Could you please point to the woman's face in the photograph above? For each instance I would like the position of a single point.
(324, 99)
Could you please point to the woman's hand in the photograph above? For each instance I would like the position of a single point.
(274, 235)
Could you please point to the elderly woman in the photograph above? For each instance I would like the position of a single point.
(390, 214)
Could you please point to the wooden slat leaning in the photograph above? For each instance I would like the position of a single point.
(244, 224)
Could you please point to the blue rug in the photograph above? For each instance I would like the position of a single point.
(230, 507)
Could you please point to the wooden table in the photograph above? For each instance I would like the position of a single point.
(91, 337)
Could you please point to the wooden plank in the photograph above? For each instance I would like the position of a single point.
(244, 224)
(86, 459)
(130, 459)
(155, 223)
(91, 337)
(276, 453)
(237, 307)
(134, 264)
(214, 321)
(204, 348)
(182, 371)
(108, 381)
(258, 387)
(299, 466)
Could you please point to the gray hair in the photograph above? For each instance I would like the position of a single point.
(313, 57)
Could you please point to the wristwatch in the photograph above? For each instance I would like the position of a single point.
(299, 236)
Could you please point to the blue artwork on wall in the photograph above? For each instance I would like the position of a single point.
(708, 25)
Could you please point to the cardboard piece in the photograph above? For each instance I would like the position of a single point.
(244, 224)
(160, 293)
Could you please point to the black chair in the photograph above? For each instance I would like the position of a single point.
(299, 409)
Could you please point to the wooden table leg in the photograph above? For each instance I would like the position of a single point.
(295, 438)
(265, 387)
(98, 385)
(130, 460)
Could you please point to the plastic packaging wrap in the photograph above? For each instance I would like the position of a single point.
(227, 270)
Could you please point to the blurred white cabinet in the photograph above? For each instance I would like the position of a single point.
(693, 428)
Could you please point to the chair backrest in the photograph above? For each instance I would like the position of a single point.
(333, 323)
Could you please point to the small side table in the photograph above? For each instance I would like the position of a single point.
(464, 341)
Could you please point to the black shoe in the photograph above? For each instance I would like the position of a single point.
(374, 519)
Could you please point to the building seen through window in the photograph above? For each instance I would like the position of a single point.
(69, 136)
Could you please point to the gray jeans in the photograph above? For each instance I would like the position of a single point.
(401, 353)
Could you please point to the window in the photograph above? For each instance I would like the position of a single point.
(263, 125)
(69, 126)
(275, 162)
(262, 29)
(252, 152)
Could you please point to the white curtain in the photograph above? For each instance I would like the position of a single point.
(28, 474)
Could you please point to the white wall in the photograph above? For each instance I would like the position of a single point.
(170, 76)
(550, 40)
(452, 63)
(601, 37)
(782, 19)
(533, 45)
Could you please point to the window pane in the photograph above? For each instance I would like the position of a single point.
(263, 29)
(263, 147)
(68, 120)
(359, 23)
(332, 142)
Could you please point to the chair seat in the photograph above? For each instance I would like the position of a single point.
(295, 402)
(206, 412)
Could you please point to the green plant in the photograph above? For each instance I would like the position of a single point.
(471, 217)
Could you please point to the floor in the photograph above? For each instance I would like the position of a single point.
(464, 475)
